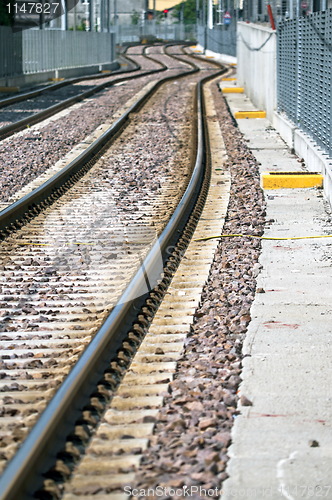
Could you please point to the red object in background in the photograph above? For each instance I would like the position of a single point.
(269, 11)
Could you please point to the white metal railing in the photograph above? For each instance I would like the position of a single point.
(34, 51)
(45, 50)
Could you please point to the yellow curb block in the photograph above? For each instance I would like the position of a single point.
(55, 79)
(228, 79)
(107, 71)
(250, 114)
(9, 89)
(281, 180)
(233, 90)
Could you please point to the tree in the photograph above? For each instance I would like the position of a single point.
(189, 11)
(135, 17)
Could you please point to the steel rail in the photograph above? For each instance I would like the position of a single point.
(12, 128)
(48, 191)
(23, 475)
(68, 81)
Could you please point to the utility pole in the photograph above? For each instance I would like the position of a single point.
(205, 23)
(90, 15)
(108, 15)
(115, 13)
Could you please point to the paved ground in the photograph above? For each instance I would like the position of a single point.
(282, 444)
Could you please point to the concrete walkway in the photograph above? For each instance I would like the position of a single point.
(282, 444)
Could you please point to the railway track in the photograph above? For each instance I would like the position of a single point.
(64, 271)
(19, 112)
(32, 151)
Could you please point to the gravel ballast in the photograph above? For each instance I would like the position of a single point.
(192, 432)
(28, 154)
(50, 289)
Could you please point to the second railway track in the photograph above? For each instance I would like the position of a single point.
(19, 112)
(32, 151)
(66, 282)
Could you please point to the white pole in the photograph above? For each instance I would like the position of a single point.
(210, 15)
(63, 17)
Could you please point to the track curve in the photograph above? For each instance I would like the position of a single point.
(131, 301)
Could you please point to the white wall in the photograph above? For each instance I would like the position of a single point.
(256, 68)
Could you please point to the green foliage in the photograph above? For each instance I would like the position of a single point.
(135, 17)
(6, 17)
(79, 27)
(189, 11)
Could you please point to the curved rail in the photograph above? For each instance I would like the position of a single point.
(29, 205)
(23, 476)
(68, 81)
(12, 128)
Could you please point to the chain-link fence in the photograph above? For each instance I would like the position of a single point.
(304, 64)
(153, 30)
(220, 39)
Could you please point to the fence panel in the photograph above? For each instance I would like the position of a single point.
(34, 51)
(46, 50)
(10, 52)
(304, 74)
(220, 39)
(287, 68)
(135, 33)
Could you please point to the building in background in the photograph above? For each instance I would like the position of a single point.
(84, 15)
(106, 13)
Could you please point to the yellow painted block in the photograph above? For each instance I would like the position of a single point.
(209, 57)
(281, 180)
(106, 71)
(233, 90)
(228, 79)
(198, 51)
(56, 79)
(250, 114)
(9, 89)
